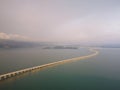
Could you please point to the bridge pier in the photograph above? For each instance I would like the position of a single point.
(12, 74)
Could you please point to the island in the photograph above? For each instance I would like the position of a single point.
(60, 47)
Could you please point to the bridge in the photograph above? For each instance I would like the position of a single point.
(15, 73)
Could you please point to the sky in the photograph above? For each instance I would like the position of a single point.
(92, 21)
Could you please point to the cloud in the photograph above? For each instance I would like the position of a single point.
(97, 27)
(61, 20)
(13, 36)
(4, 36)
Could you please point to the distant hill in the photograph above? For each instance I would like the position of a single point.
(111, 46)
(48, 45)
(17, 44)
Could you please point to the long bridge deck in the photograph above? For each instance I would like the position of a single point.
(15, 73)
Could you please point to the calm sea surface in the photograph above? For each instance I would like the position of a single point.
(101, 72)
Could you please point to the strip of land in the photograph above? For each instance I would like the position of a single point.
(15, 73)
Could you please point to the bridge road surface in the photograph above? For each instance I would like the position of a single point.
(15, 73)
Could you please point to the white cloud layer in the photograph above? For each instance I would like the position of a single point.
(13, 36)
